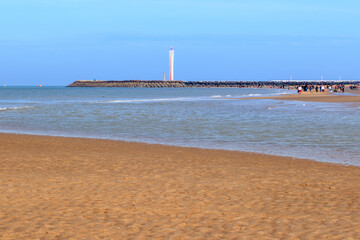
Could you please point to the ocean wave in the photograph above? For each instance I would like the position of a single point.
(147, 100)
(14, 108)
(282, 93)
(253, 95)
(215, 96)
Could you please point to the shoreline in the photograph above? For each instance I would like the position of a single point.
(5, 134)
(178, 146)
(58, 187)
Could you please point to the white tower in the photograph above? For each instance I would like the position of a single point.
(171, 55)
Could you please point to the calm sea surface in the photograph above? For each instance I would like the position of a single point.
(195, 117)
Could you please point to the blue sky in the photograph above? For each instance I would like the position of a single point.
(59, 41)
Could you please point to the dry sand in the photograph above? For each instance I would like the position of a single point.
(72, 188)
(318, 97)
(313, 97)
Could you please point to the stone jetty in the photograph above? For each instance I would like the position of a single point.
(205, 84)
(129, 83)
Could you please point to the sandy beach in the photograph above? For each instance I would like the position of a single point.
(73, 188)
(313, 97)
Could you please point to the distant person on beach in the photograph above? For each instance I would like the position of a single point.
(299, 89)
(316, 88)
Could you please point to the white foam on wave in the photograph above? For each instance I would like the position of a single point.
(282, 93)
(253, 95)
(14, 108)
(264, 95)
(147, 100)
(215, 96)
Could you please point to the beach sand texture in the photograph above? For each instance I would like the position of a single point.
(72, 188)
(313, 97)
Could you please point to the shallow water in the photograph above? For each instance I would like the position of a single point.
(196, 117)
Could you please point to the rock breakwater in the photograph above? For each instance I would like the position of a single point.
(204, 84)
(128, 83)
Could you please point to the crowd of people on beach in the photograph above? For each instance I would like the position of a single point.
(321, 88)
(354, 87)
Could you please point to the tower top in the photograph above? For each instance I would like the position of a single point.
(171, 48)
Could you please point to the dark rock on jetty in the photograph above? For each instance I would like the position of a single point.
(204, 84)
(128, 83)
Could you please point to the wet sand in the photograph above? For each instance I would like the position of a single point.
(73, 188)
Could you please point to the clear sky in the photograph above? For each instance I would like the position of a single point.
(55, 42)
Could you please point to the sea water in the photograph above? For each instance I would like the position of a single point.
(194, 117)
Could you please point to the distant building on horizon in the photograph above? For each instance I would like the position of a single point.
(171, 55)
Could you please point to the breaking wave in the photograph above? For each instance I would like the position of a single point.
(148, 100)
(254, 95)
(13, 108)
